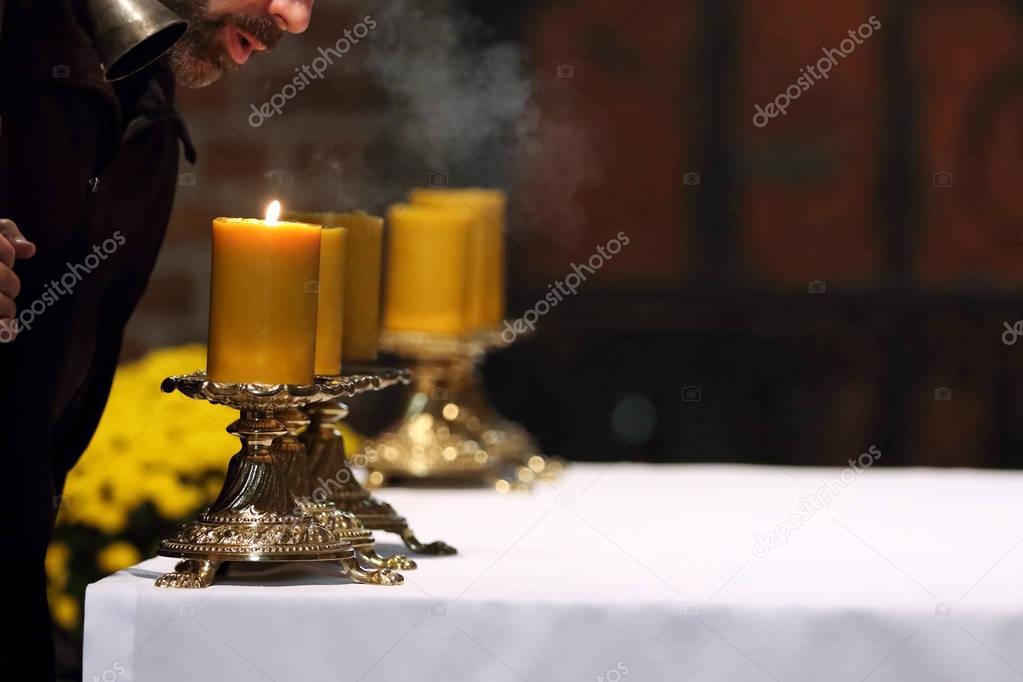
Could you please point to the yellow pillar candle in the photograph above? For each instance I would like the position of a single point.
(428, 249)
(362, 285)
(364, 254)
(331, 310)
(263, 300)
(486, 267)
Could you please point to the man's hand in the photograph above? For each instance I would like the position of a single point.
(13, 246)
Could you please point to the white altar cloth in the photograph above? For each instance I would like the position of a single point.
(622, 572)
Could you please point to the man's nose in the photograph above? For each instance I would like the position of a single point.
(291, 15)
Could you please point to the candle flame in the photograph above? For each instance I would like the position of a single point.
(273, 212)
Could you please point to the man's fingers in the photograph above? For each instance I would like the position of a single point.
(23, 248)
(7, 254)
(10, 283)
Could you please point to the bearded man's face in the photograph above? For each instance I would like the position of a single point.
(223, 34)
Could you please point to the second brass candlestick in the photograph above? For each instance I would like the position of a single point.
(449, 431)
(311, 503)
(333, 481)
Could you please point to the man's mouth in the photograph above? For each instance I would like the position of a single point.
(241, 44)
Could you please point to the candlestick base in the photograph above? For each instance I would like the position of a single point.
(312, 504)
(255, 517)
(350, 528)
(449, 431)
(190, 574)
(376, 514)
(337, 484)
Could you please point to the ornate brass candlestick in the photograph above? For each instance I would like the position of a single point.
(322, 511)
(255, 517)
(450, 431)
(337, 486)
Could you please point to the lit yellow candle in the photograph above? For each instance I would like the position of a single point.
(486, 266)
(427, 283)
(263, 300)
(364, 253)
(331, 310)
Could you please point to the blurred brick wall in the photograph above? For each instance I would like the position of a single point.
(903, 166)
(809, 177)
(895, 182)
(615, 83)
(970, 62)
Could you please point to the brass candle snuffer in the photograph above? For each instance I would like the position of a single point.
(131, 34)
(449, 431)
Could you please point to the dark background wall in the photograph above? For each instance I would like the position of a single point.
(795, 293)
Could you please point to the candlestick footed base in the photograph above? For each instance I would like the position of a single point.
(337, 485)
(450, 433)
(255, 517)
(313, 503)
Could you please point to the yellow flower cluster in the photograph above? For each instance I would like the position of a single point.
(149, 447)
(117, 555)
(63, 607)
(167, 450)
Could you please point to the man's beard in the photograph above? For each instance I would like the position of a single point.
(201, 57)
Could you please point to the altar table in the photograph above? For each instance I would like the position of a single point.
(621, 572)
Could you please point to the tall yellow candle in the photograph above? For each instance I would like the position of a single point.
(362, 285)
(427, 278)
(331, 310)
(364, 254)
(486, 267)
(263, 300)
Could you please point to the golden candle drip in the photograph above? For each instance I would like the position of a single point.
(427, 277)
(263, 300)
(486, 265)
(330, 314)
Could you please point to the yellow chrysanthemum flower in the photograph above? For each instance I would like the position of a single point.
(149, 447)
(65, 610)
(117, 555)
(57, 557)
